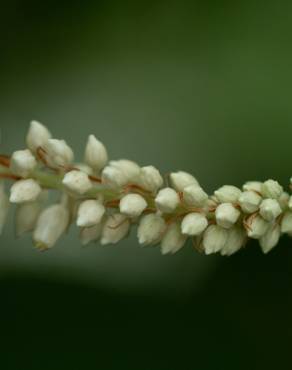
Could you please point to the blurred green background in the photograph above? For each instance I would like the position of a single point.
(201, 86)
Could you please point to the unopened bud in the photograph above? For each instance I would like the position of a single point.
(271, 238)
(257, 227)
(90, 234)
(95, 154)
(150, 178)
(194, 224)
(236, 238)
(59, 153)
(271, 189)
(226, 215)
(77, 182)
(249, 201)
(22, 163)
(228, 194)
(90, 213)
(180, 180)
(37, 136)
(270, 209)
(24, 191)
(167, 200)
(150, 229)
(173, 240)
(115, 228)
(214, 239)
(119, 173)
(194, 195)
(255, 186)
(286, 224)
(132, 205)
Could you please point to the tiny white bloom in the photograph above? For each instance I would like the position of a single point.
(26, 217)
(271, 189)
(77, 182)
(228, 194)
(115, 228)
(22, 163)
(271, 238)
(194, 195)
(150, 178)
(4, 207)
(270, 209)
(214, 239)
(24, 191)
(90, 213)
(236, 237)
(95, 154)
(51, 224)
(132, 205)
(249, 201)
(37, 136)
(226, 215)
(255, 186)
(286, 224)
(90, 234)
(257, 227)
(167, 200)
(150, 229)
(194, 224)
(119, 173)
(284, 201)
(173, 240)
(180, 180)
(59, 153)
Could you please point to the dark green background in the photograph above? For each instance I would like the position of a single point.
(202, 86)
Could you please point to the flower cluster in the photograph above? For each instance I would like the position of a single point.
(105, 198)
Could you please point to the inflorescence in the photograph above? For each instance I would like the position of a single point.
(104, 198)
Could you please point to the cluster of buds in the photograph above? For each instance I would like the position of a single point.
(105, 198)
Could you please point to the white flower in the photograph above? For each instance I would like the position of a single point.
(26, 217)
(132, 205)
(24, 191)
(226, 215)
(59, 153)
(257, 227)
(249, 201)
(77, 182)
(22, 163)
(115, 228)
(236, 237)
(95, 154)
(284, 200)
(150, 229)
(173, 240)
(167, 200)
(228, 194)
(286, 224)
(255, 186)
(51, 224)
(290, 203)
(90, 213)
(37, 136)
(270, 209)
(194, 224)
(271, 238)
(271, 189)
(180, 180)
(214, 239)
(150, 178)
(4, 207)
(90, 234)
(194, 195)
(121, 172)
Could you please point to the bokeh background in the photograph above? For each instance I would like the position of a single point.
(201, 86)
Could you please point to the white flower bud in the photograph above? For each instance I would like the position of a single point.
(119, 173)
(50, 226)
(95, 154)
(37, 136)
(24, 191)
(90, 234)
(249, 201)
(194, 224)
(228, 194)
(271, 238)
(132, 205)
(115, 228)
(271, 189)
(26, 217)
(167, 200)
(90, 213)
(257, 227)
(84, 168)
(22, 163)
(77, 182)
(290, 203)
(180, 180)
(150, 229)
(270, 209)
(4, 207)
(226, 215)
(253, 186)
(286, 224)
(150, 178)
(59, 153)
(194, 195)
(284, 200)
(236, 238)
(214, 239)
(173, 240)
